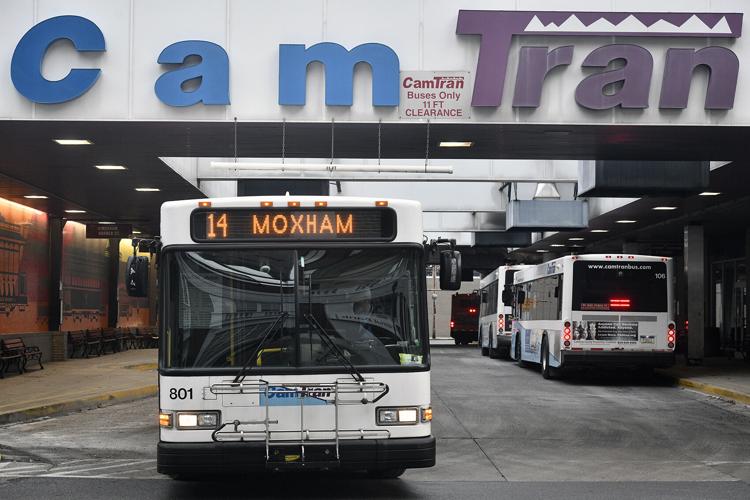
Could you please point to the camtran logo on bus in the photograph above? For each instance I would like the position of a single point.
(295, 396)
(495, 30)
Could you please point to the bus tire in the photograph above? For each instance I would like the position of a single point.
(548, 372)
(520, 361)
(386, 473)
(485, 351)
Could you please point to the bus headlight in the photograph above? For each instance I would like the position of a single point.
(198, 420)
(398, 416)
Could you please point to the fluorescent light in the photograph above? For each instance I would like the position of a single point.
(600, 230)
(541, 250)
(456, 144)
(135, 231)
(110, 167)
(557, 245)
(709, 193)
(626, 221)
(147, 189)
(35, 197)
(329, 168)
(73, 142)
(575, 239)
(664, 208)
(75, 211)
(107, 222)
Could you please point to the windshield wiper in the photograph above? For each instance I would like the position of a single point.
(266, 335)
(324, 335)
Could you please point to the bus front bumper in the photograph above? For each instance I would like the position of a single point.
(617, 358)
(231, 457)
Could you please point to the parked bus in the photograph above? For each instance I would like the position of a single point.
(293, 335)
(464, 316)
(495, 315)
(595, 310)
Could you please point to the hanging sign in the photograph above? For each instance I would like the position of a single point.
(435, 95)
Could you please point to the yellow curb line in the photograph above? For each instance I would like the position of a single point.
(714, 390)
(78, 404)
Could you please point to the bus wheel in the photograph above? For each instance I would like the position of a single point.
(520, 361)
(386, 473)
(457, 341)
(547, 371)
(485, 351)
(494, 353)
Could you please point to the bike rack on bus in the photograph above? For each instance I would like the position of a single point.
(345, 392)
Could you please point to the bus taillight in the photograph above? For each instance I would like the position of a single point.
(453, 323)
(566, 333)
(500, 323)
(472, 310)
(671, 335)
(619, 303)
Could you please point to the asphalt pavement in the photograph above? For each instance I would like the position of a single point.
(503, 432)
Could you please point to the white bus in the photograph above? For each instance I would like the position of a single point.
(594, 310)
(495, 316)
(293, 335)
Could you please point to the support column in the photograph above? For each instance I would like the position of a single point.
(54, 293)
(695, 272)
(113, 252)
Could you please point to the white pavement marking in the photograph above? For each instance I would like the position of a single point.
(119, 468)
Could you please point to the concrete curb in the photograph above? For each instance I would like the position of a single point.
(713, 390)
(85, 403)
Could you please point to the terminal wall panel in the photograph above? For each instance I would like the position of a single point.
(546, 215)
(641, 178)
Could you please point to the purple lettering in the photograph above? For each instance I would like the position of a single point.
(723, 67)
(534, 65)
(635, 75)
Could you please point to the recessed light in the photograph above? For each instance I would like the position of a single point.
(557, 245)
(626, 221)
(107, 222)
(665, 208)
(456, 144)
(135, 231)
(575, 239)
(147, 189)
(709, 193)
(600, 230)
(73, 142)
(35, 197)
(75, 211)
(110, 167)
(541, 250)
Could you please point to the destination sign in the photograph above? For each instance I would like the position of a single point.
(294, 224)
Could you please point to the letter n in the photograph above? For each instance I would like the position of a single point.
(723, 68)
(213, 71)
(339, 66)
(635, 77)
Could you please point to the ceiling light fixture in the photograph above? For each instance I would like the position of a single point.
(107, 222)
(75, 211)
(73, 142)
(575, 239)
(135, 231)
(456, 144)
(665, 208)
(327, 167)
(626, 221)
(35, 197)
(110, 167)
(147, 189)
(557, 245)
(709, 193)
(600, 230)
(541, 250)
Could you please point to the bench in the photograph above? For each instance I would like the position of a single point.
(150, 337)
(15, 350)
(109, 339)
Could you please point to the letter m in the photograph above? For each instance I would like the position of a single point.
(339, 66)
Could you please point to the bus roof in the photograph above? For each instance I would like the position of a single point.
(494, 275)
(175, 215)
(556, 266)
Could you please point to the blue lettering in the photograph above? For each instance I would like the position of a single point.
(26, 65)
(339, 66)
(213, 71)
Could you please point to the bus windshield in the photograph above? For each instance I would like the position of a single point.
(620, 286)
(223, 302)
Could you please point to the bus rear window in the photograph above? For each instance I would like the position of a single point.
(620, 286)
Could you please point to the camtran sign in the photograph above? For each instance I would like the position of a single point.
(618, 75)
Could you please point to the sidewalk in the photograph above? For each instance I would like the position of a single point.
(728, 378)
(77, 384)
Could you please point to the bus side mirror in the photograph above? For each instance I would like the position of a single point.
(521, 297)
(450, 270)
(136, 279)
(507, 296)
